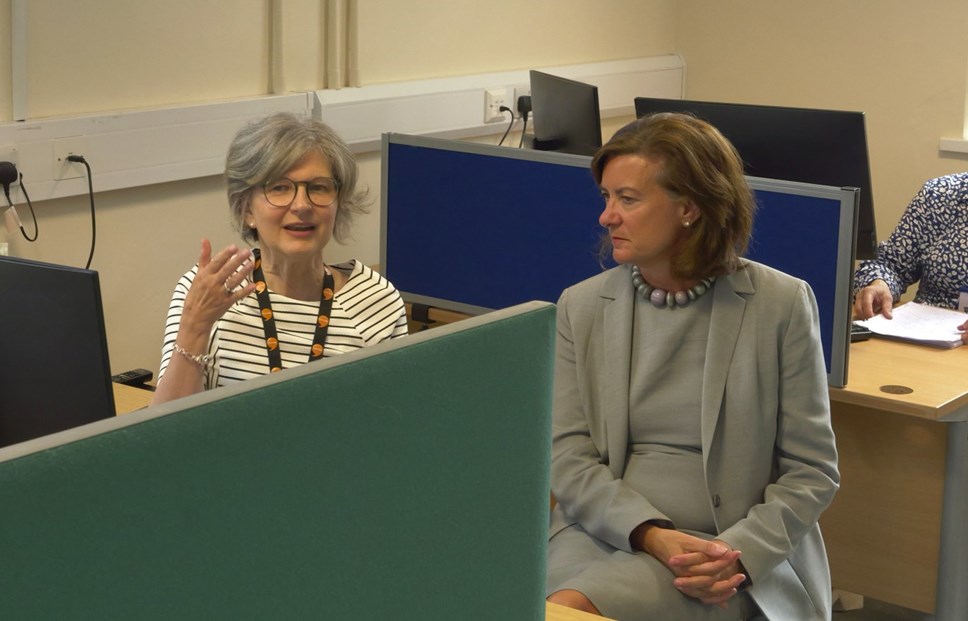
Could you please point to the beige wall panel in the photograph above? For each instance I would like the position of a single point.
(364, 241)
(437, 38)
(106, 55)
(902, 63)
(6, 111)
(303, 46)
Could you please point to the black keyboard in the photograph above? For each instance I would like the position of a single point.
(859, 332)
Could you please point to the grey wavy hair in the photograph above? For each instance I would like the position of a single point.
(265, 149)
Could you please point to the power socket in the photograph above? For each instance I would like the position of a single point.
(522, 95)
(62, 167)
(494, 98)
(9, 154)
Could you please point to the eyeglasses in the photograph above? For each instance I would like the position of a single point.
(322, 191)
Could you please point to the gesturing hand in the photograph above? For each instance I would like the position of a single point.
(216, 286)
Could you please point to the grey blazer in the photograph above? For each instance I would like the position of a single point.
(769, 455)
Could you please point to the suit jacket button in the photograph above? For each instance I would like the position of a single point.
(716, 500)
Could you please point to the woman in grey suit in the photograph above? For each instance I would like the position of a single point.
(692, 452)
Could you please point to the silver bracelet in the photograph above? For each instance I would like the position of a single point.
(202, 360)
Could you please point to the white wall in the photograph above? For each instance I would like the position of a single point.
(116, 54)
(436, 38)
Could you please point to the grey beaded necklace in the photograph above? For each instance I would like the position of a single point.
(661, 298)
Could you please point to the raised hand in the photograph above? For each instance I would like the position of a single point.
(216, 287)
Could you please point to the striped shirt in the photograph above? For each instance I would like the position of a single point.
(367, 310)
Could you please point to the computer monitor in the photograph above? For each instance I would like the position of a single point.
(54, 369)
(566, 115)
(824, 147)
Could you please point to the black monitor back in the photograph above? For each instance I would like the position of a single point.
(54, 370)
(566, 115)
(824, 147)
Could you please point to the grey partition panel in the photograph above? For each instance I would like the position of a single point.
(410, 481)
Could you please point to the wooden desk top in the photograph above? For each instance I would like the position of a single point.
(128, 398)
(554, 612)
(905, 378)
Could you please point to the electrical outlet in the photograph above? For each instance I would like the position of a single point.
(522, 90)
(494, 98)
(63, 168)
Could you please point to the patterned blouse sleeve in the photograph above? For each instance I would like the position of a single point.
(900, 259)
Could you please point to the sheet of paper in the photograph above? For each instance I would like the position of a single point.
(918, 322)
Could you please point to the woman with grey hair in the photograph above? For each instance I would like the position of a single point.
(241, 313)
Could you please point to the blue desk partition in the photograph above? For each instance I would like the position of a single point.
(808, 231)
(471, 227)
(410, 480)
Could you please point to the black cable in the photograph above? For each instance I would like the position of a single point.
(90, 193)
(524, 129)
(30, 206)
(510, 125)
(8, 174)
(524, 109)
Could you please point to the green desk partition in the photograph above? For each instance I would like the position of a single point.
(409, 481)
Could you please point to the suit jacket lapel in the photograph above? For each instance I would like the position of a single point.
(729, 306)
(618, 304)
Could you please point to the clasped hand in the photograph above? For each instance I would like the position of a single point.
(708, 571)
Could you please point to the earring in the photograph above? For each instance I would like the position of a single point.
(686, 223)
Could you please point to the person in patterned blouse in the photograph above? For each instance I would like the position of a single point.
(241, 313)
(929, 246)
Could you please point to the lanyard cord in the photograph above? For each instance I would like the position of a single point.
(269, 321)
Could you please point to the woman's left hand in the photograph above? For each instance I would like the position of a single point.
(708, 571)
(964, 332)
(705, 570)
